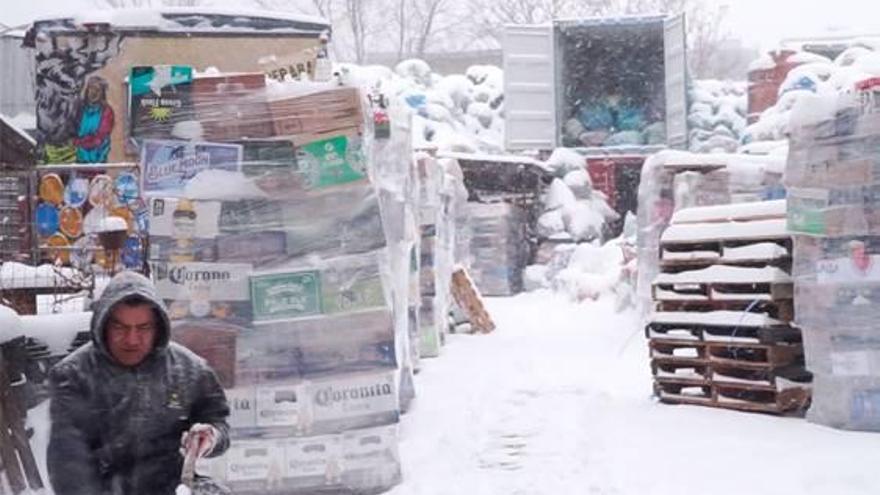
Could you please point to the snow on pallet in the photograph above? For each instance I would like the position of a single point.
(720, 334)
(767, 289)
(764, 210)
(772, 229)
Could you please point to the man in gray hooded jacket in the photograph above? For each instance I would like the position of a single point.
(126, 405)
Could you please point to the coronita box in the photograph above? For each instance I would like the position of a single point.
(313, 462)
(345, 402)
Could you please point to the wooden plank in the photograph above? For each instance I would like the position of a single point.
(465, 293)
(11, 465)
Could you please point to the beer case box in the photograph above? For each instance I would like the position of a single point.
(250, 215)
(242, 408)
(310, 346)
(339, 403)
(846, 402)
(429, 333)
(313, 462)
(280, 406)
(329, 224)
(320, 406)
(168, 166)
(371, 458)
(167, 248)
(214, 341)
(188, 281)
(255, 466)
(308, 117)
(358, 461)
(335, 286)
(273, 167)
(258, 248)
(203, 216)
(232, 107)
(236, 313)
(812, 212)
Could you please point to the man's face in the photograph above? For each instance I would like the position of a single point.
(131, 333)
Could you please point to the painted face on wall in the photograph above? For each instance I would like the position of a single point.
(131, 333)
(94, 92)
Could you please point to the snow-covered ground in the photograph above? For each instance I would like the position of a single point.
(558, 401)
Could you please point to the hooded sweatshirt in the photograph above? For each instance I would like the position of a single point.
(117, 429)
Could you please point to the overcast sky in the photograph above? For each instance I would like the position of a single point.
(764, 22)
(758, 22)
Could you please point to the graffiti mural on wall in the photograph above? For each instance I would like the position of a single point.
(74, 120)
(95, 123)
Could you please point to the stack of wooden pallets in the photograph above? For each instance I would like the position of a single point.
(721, 333)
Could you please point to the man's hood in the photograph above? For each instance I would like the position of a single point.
(123, 286)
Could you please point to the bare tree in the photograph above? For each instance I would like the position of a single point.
(122, 4)
(705, 23)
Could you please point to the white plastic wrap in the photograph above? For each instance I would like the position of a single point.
(833, 182)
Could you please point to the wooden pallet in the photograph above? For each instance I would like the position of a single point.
(774, 399)
(745, 355)
(19, 466)
(782, 310)
(468, 298)
(731, 333)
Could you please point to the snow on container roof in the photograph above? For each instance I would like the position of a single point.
(183, 20)
(761, 210)
(611, 20)
(724, 231)
(482, 157)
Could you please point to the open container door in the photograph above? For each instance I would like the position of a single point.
(675, 55)
(529, 87)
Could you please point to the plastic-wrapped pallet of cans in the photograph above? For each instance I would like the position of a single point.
(283, 256)
(833, 179)
(499, 247)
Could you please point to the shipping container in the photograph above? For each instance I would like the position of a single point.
(599, 82)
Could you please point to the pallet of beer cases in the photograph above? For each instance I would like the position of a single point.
(833, 183)
(270, 249)
(430, 309)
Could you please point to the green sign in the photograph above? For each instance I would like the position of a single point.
(286, 295)
(333, 161)
(353, 292)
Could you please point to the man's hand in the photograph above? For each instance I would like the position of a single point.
(201, 437)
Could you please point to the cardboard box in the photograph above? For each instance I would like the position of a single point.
(345, 402)
(313, 116)
(258, 248)
(311, 346)
(279, 406)
(340, 285)
(215, 342)
(371, 458)
(204, 218)
(313, 462)
(232, 107)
